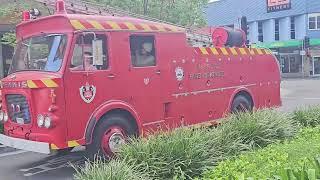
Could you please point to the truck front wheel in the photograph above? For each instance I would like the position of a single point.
(109, 135)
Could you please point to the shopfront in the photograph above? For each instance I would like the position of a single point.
(293, 60)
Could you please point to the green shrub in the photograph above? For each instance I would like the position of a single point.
(185, 153)
(308, 116)
(269, 161)
(1, 128)
(114, 170)
(259, 128)
(181, 153)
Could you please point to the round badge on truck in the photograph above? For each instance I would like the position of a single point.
(179, 73)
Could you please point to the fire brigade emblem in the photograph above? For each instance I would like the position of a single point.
(88, 92)
(179, 73)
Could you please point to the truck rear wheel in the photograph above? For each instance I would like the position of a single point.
(241, 104)
(109, 135)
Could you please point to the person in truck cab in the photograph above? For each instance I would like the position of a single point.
(144, 55)
(87, 59)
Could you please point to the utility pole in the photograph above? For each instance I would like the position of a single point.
(145, 6)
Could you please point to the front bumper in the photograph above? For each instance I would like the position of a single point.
(39, 147)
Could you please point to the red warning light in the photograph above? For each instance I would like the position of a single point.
(60, 7)
(26, 16)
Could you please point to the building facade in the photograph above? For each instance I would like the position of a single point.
(280, 25)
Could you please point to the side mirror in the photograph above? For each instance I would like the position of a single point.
(97, 52)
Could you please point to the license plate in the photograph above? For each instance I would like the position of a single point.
(20, 120)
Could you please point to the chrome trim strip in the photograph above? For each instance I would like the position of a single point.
(211, 90)
(151, 123)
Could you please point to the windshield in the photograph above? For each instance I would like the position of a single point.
(40, 53)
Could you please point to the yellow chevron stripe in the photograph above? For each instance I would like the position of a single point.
(234, 51)
(214, 51)
(96, 24)
(242, 51)
(252, 52)
(146, 27)
(259, 51)
(267, 51)
(160, 28)
(31, 84)
(173, 29)
(224, 51)
(73, 144)
(114, 25)
(204, 51)
(54, 147)
(49, 83)
(77, 24)
(130, 26)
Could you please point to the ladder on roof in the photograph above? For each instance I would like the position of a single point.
(90, 8)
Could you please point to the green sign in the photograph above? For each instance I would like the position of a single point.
(282, 44)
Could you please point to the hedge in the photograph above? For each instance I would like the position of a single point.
(296, 155)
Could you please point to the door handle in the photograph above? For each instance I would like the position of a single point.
(158, 72)
(111, 76)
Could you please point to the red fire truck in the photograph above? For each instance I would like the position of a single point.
(85, 80)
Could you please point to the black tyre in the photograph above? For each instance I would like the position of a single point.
(109, 135)
(241, 104)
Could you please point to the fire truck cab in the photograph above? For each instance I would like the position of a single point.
(94, 80)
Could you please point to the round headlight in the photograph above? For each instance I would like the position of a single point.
(47, 122)
(1, 115)
(5, 117)
(40, 120)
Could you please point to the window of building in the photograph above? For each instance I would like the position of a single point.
(82, 59)
(314, 21)
(277, 30)
(292, 28)
(260, 31)
(143, 52)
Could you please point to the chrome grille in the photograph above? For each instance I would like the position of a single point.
(18, 108)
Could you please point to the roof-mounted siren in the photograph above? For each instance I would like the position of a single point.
(228, 37)
(60, 7)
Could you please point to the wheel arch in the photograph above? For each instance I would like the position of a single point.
(245, 92)
(107, 109)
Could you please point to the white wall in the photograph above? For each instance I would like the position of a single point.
(301, 26)
(285, 27)
(268, 31)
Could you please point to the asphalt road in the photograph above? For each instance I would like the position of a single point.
(21, 165)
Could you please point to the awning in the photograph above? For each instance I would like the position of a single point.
(283, 44)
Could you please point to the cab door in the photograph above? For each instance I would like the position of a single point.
(88, 84)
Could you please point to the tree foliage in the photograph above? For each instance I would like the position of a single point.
(183, 12)
(9, 38)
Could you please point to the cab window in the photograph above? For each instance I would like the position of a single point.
(143, 52)
(83, 53)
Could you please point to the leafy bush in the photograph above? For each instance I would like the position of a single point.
(308, 116)
(1, 128)
(115, 170)
(297, 155)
